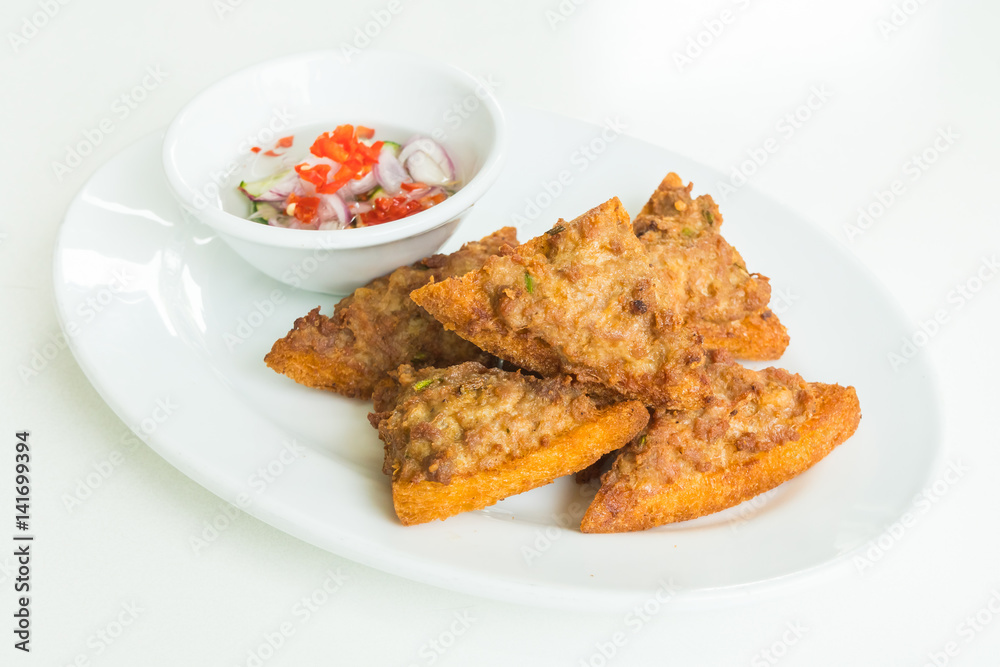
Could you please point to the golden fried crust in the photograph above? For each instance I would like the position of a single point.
(756, 337)
(580, 300)
(466, 437)
(379, 327)
(655, 481)
(465, 305)
(703, 277)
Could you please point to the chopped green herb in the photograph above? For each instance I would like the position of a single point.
(419, 356)
(529, 283)
(555, 230)
(688, 232)
(423, 384)
(708, 217)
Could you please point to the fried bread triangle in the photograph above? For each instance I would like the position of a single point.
(374, 330)
(705, 277)
(757, 431)
(465, 437)
(580, 300)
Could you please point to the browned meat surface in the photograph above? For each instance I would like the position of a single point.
(465, 437)
(379, 327)
(757, 430)
(580, 300)
(703, 278)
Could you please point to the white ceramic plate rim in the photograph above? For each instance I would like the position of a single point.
(279, 509)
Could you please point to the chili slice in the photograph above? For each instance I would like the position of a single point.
(316, 175)
(303, 208)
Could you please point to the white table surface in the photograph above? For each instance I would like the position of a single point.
(891, 89)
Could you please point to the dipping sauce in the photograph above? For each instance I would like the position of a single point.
(349, 179)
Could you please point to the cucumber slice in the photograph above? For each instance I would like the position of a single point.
(272, 188)
(264, 212)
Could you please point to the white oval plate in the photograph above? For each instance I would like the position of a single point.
(171, 327)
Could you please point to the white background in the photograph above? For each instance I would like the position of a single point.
(890, 95)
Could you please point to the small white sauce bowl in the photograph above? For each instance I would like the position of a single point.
(208, 145)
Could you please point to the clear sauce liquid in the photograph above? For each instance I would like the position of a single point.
(255, 166)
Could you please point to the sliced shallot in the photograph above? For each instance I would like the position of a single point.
(333, 212)
(427, 161)
(390, 172)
